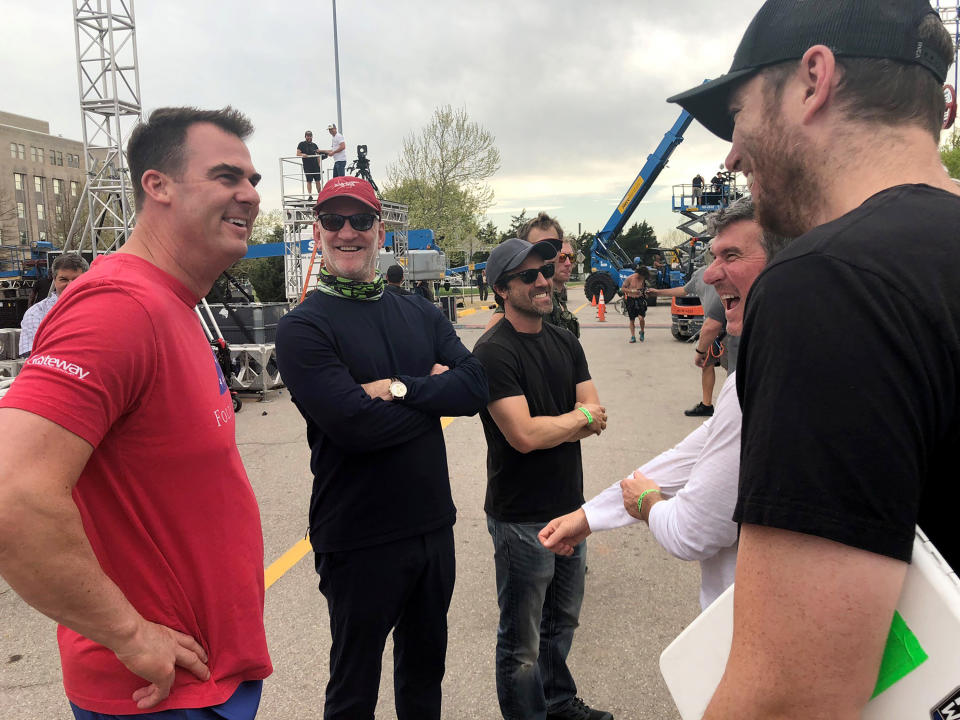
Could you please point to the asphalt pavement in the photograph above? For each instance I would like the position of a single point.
(637, 599)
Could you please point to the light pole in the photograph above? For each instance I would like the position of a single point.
(336, 64)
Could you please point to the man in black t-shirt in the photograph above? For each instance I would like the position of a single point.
(542, 403)
(308, 150)
(850, 354)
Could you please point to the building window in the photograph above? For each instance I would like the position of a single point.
(53, 157)
(57, 186)
(24, 237)
(74, 188)
(13, 150)
(21, 152)
(38, 185)
(18, 181)
(59, 212)
(33, 153)
(40, 212)
(43, 236)
(21, 211)
(40, 155)
(59, 158)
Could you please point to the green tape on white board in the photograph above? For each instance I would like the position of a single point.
(901, 656)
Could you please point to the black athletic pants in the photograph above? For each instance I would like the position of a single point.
(404, 586)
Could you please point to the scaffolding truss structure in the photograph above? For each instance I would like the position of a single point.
(109, 84)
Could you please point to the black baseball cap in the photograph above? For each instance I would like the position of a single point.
(785, 29)
(511, 253)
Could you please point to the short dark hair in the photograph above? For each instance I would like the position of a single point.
(69, 261)
(542, 222)
(738, 211)
(158, 143)
(883, 91)
(394, 274)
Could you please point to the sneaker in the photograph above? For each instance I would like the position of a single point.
(632, 339)
(577, 709)
(699, 410)
(641, 336)
(310, 199)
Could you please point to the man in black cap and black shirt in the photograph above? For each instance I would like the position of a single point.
(851, 350)
(542, 403)
(309, 151)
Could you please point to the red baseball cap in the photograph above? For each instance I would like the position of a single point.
(347, 186)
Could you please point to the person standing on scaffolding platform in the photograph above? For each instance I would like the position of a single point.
(338, 149)
(310, 153)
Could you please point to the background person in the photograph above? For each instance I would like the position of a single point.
(308, 150)
(635, 294)
(395, 281)
(542, 403)
(121, 533)
(708, 350)
(845, 451)
(66, 268)
(372, 372)
(338, 150)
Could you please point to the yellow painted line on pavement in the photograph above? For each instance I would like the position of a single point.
(279, 567)
(580, 308)
(468, 311)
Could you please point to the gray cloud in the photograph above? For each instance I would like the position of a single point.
(573, 91)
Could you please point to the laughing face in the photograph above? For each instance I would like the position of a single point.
(739, 260)
(350, 253)
(778, 163)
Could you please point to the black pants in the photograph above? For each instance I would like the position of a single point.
(404, 586)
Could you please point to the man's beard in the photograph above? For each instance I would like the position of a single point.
(527, 307)
(788, 200)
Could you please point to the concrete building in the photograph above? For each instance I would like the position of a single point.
(41, 180)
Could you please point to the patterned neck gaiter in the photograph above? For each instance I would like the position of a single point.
(351, 289)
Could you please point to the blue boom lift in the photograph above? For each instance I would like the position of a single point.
(610, 265)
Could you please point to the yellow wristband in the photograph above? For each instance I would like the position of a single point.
(587, 413)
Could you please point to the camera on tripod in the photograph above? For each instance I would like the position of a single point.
(361, 167)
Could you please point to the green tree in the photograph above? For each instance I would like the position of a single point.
(441, 173)
(516, 222)
(637, 239)
(950, 154)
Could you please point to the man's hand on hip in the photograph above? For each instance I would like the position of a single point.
(153, 653)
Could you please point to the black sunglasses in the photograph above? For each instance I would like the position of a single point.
(359, 222)
(528, 277)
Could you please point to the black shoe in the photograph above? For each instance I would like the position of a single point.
(699, 410)
(577, 709)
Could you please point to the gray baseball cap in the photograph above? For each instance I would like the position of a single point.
(511, 253)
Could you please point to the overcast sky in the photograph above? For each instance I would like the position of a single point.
(573, 91)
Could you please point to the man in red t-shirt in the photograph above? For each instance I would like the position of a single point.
(138, 530)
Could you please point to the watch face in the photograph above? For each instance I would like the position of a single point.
(398, 389)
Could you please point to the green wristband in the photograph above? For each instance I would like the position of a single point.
(587, 413)
(642, 496)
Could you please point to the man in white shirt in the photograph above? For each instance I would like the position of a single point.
(338, 150)
(66, 268)
(688, 493)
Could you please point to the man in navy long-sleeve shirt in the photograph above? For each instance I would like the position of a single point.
(372, 373)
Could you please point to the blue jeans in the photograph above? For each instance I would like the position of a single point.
(242, 705)
(539, 595)
(339, 168)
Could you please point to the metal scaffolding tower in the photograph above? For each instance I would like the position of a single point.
(110, 108)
